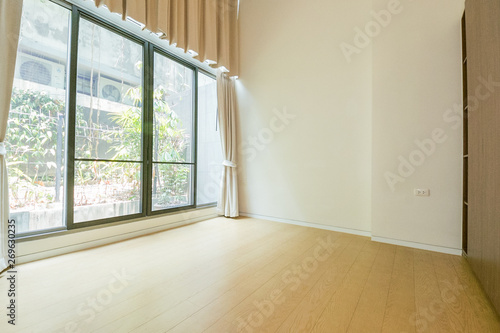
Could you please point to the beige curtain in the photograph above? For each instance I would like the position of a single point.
(208, 27)
(226, 99)
(10, 22)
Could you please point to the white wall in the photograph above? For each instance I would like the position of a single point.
(316, 168)
(416, 79)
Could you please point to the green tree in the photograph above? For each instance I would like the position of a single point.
(170, 144)
(34, 122)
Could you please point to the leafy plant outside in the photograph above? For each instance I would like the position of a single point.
(36, 139)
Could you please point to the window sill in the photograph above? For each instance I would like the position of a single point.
(53, 243)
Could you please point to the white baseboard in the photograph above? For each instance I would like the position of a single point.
(311, 225)
(434, 248)
(31, 250)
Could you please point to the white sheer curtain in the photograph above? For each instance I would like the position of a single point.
(226, 99)
(10, 22)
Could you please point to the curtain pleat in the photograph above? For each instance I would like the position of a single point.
(226, 100)
(208, 27)
(210, 30)
(10, 23)
(151, 14)
(193, 30)
(136, 10)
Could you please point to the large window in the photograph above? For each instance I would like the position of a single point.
(104, 126)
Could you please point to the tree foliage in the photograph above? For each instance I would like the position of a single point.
(32, 142)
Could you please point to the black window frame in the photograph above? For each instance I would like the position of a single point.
(150, 112)
(149, 50)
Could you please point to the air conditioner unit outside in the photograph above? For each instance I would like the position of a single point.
(39, 70)
(114, 91)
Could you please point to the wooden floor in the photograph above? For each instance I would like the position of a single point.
(249, 275)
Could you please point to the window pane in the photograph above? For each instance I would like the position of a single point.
(106, 189)
(109, 95)
(108, 124)
(171, 186)
(36, 125)
(173, 111)
(209, 146)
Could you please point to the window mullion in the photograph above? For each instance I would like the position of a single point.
(71, 117)
(194, 187)
(148, 71)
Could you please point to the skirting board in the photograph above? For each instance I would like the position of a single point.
(310, 225)
(434, 248)
(87, 240)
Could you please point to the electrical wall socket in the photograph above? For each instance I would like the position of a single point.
(419, 192)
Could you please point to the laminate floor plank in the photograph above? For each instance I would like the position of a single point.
(400, 310)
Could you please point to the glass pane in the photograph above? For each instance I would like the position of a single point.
(106, 189)
(209, 146)
(173, 111)
(109, 95)
(171, 186)
(36, 126)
